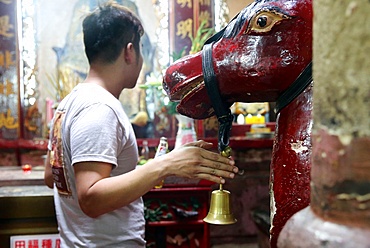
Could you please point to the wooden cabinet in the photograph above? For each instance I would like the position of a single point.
(174, 217)
(26, 210)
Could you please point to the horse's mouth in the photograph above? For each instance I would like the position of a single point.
(185, 89)
(192, 99)
(188, 91)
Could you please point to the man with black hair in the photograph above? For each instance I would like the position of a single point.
(93, 150)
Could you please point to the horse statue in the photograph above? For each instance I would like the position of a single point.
(264, 54)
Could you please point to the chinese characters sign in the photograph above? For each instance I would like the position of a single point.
(9, 121)
(35, 241)
(185, 17)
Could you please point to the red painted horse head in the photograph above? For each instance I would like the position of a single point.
(259, 57)
(261, 52)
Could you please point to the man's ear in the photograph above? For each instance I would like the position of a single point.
(129, 53)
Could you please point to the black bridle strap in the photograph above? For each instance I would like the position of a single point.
(219, 34)
(298, 86)
(222, 112)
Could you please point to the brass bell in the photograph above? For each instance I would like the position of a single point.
(219, 211)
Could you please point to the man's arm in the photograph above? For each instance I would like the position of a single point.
(98, 193)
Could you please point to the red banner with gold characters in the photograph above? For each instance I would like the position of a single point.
(9, 118)
(185, 17)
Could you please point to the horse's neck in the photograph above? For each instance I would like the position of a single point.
(293, 126)
(291, 160)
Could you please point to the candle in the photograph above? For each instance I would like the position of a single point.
(27, 168)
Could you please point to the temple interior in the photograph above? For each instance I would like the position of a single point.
(301, 147)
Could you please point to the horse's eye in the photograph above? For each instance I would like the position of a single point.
(265, 20)
(262, 21)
